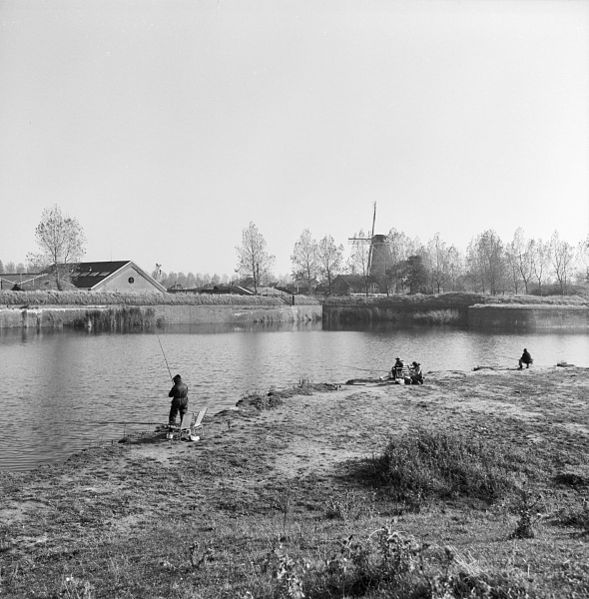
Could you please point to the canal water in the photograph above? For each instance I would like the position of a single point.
(64, 391)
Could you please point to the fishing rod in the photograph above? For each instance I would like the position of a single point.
(164, 354)
(364, 369)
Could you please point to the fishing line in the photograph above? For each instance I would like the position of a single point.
(164, 354)
(364, 369)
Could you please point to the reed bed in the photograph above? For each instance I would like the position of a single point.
(85, 298)
(457, 300)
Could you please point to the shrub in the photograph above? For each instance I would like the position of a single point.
(424, 463)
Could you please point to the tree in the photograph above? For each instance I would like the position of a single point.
(415, 275)
(520, 260)
(401, 247)
(62, 243)
(359, 257)
(438, 259)
(253, 259)
(1, 267)
(583, 251)
(562, 254)
(487, 261)
(330, 258)
(539, 256)
(304, 260)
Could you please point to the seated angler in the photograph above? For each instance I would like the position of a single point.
(415, 374)
(525, 359)
(397, 369)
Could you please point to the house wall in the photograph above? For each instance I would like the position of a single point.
(120, 281)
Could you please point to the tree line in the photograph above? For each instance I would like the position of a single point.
(489, 265)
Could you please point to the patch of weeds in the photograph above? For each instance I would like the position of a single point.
(570, 479)
(275, 397)
(259, 402)
(422, 464)
(576, 516)
(75, 588)
(287, 573)
(527, 509)
(388, 563)
(349, 506)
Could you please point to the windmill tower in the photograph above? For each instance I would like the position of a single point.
(380, 258)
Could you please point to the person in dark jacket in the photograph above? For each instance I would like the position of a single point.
(415, 376)
(179, 395)
(525, 359)
(397, 369)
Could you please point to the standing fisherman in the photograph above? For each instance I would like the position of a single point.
(179, 395)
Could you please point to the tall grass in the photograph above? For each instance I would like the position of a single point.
(453, 300)
(87, 298)
(425, 463)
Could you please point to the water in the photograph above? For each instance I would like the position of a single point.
(61, 392)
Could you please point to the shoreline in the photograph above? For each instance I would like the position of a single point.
(258, 479)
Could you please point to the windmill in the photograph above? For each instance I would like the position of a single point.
(380, 258)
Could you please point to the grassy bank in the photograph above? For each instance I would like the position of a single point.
(455, 300)
(85, 298)
(472, 485)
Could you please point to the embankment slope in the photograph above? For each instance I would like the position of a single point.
(155, 518)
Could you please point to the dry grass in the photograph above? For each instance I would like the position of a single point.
(277, 503)
(85, 298)
(455, 300)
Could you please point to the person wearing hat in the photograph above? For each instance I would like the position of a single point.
(525, 359)
(415, 373)
(179, 395)
(397, 369)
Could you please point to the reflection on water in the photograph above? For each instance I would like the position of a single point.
(64, 391)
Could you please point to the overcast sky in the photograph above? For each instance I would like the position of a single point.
(165, 127)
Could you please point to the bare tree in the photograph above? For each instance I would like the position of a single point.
(520, 260)
(539, 258)
(359, 259)
(62, 243)
(583, 251)
(330, 258)
(436, 259)
(487, 261)
(253, 259)
(562, 255)
(304, 260)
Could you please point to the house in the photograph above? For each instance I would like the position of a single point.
(121, 275)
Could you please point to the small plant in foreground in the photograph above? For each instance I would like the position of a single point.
(75, 588)
(577, 516)
(527, 510)
(287, 572)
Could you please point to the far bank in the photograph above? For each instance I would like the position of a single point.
(119, 312)
(468, 311)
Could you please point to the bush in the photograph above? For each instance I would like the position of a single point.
(424, 463)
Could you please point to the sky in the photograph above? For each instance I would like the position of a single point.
(166, 127)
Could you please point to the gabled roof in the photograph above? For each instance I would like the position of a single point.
(87, 275)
